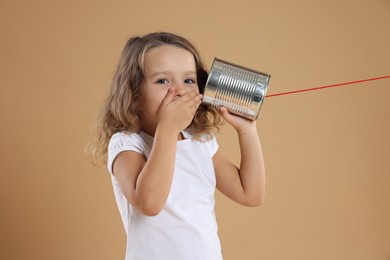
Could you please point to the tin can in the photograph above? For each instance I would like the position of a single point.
(241, 90)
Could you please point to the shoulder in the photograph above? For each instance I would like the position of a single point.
(212, 144)
(123, 141)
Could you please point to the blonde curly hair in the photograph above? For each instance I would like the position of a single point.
(120, 111)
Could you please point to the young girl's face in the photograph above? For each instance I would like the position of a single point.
(166, 66)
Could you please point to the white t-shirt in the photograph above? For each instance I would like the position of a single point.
(186, 228)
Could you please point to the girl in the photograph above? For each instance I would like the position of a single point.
(162, 155)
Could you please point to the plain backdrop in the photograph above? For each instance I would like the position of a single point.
(327, 152)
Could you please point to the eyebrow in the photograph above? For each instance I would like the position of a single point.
(168, 72)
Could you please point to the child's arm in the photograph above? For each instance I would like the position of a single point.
(146, 183)
(246, 184)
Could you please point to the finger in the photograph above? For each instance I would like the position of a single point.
(224, 112)
(189, 96)
(226, 115)
(193, 98)
(235, 120)
(195, 101)
(169, 96)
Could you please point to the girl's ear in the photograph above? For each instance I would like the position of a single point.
(202, 79)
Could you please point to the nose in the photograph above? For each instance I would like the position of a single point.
(179, 89)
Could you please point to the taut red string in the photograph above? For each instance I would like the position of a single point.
(327, 86)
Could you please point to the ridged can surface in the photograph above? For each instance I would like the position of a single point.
(241, 90)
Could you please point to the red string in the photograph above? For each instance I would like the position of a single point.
(328, 86)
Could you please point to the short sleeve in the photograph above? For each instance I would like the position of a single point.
(121, 142)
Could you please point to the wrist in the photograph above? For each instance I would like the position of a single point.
(166, 131)
(247, 132)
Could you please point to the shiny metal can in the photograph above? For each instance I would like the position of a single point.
(241, 90)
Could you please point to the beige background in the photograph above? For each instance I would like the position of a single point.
(327, 152)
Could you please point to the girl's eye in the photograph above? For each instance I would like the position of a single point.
(162, 81)
(189, 81)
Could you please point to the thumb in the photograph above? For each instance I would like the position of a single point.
(224, 112)
(227, 116)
